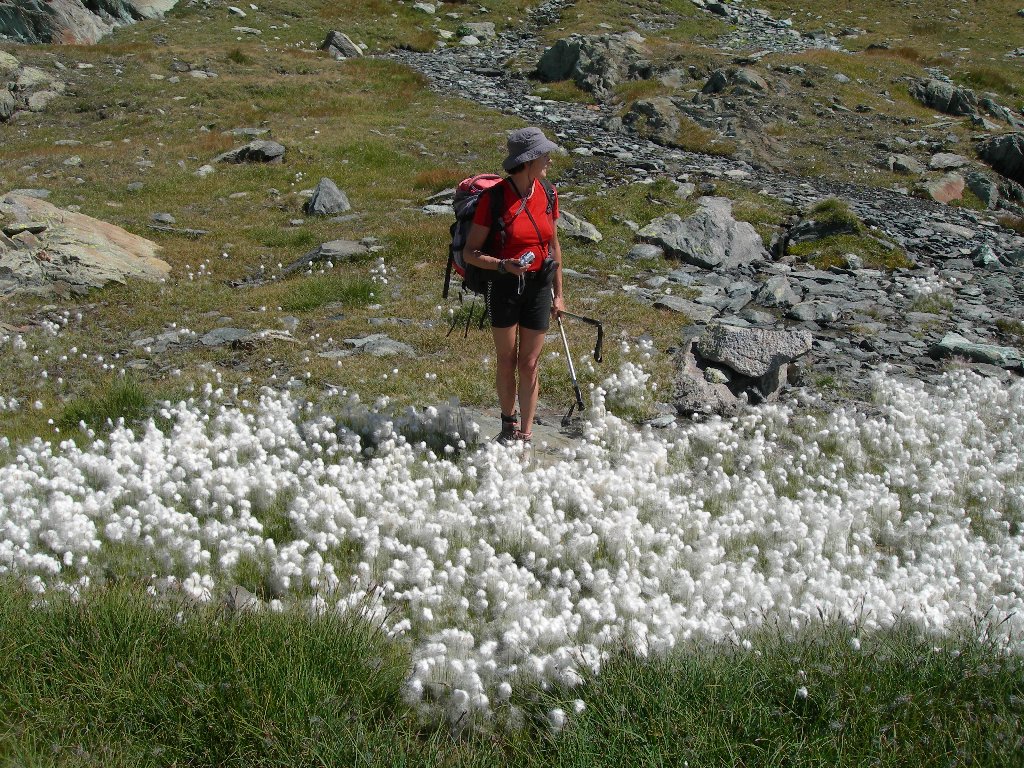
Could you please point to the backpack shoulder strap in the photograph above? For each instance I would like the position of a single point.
(549, 192)
(496, 194)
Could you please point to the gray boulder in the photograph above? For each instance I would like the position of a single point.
(693, 392)
(710, 238)
(1013, 258)
(645, 251)
(945, 97)
(221, 336)
(717, 82)
(482, 30)
(1005, 154)
(955, 345)
(327, 200)
(749, 78)
(984, 188)
(8, 65)
(777, 291)
(752, 352)
(900, 163)
(334, 251)
(7, 105)
(947, 161)
(726, 365)
(25, 88)
(254, 152)
(381, 345)
(1002, 113)
(697, 313)
(595, 64)
(823, 312)
(655, 119)
(574, 226)
(340, 46)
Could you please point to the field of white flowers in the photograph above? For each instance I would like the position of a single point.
(499, 572)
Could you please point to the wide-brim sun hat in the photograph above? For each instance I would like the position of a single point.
(527, 144)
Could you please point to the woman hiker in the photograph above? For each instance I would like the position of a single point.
(527, 290)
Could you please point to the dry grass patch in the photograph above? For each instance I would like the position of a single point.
(1016, 223)
(564, 90)
(436, 179)
(675, 20)
(904, 53)
(695, 138)
(635, 90)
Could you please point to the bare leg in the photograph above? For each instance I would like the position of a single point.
(505, 376)
(530, 344)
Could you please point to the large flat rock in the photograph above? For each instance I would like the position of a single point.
(45, 249)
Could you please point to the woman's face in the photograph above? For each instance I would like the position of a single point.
(539, 167)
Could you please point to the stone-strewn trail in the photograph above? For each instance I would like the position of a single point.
(967, 278)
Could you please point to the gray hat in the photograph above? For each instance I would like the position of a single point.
(525, 145)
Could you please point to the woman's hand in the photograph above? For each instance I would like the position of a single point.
(513, 267)
(557, 305)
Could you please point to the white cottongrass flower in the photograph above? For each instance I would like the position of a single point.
(500, 575)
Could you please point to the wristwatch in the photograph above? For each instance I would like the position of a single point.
(501, 266)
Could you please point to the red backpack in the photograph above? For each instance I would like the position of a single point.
(467, 197)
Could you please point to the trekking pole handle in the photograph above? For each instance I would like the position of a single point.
(598, 348)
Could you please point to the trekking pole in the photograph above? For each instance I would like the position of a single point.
(448, 276)
(566, 420)
(600, 332)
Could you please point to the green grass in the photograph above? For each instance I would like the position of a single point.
(1016, 223)
(118, 680)
(850, 236)
(310, 293)
(934, 303)
(836, 215)
(1012, 329)
(831, 252)
(123, 398)
(113, 681)
(564, 90)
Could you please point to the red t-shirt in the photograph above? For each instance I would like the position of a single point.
(520, 234)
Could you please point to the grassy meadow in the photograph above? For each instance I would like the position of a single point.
(101, 672)
(112, 681)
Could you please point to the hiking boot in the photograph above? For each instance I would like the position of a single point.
(508, 433)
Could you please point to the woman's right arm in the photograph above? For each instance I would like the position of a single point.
(473, 255)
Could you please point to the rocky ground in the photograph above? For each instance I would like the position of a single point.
(954, 294)
(961, 297)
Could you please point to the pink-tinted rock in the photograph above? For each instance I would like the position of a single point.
(63, 250)
(946, 189)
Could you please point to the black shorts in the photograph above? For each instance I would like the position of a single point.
(531, 309)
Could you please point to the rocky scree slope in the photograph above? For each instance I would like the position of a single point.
(961, 297)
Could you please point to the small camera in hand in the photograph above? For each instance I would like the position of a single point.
(527, 259)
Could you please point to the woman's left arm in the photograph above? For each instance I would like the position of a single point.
(555, 251)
